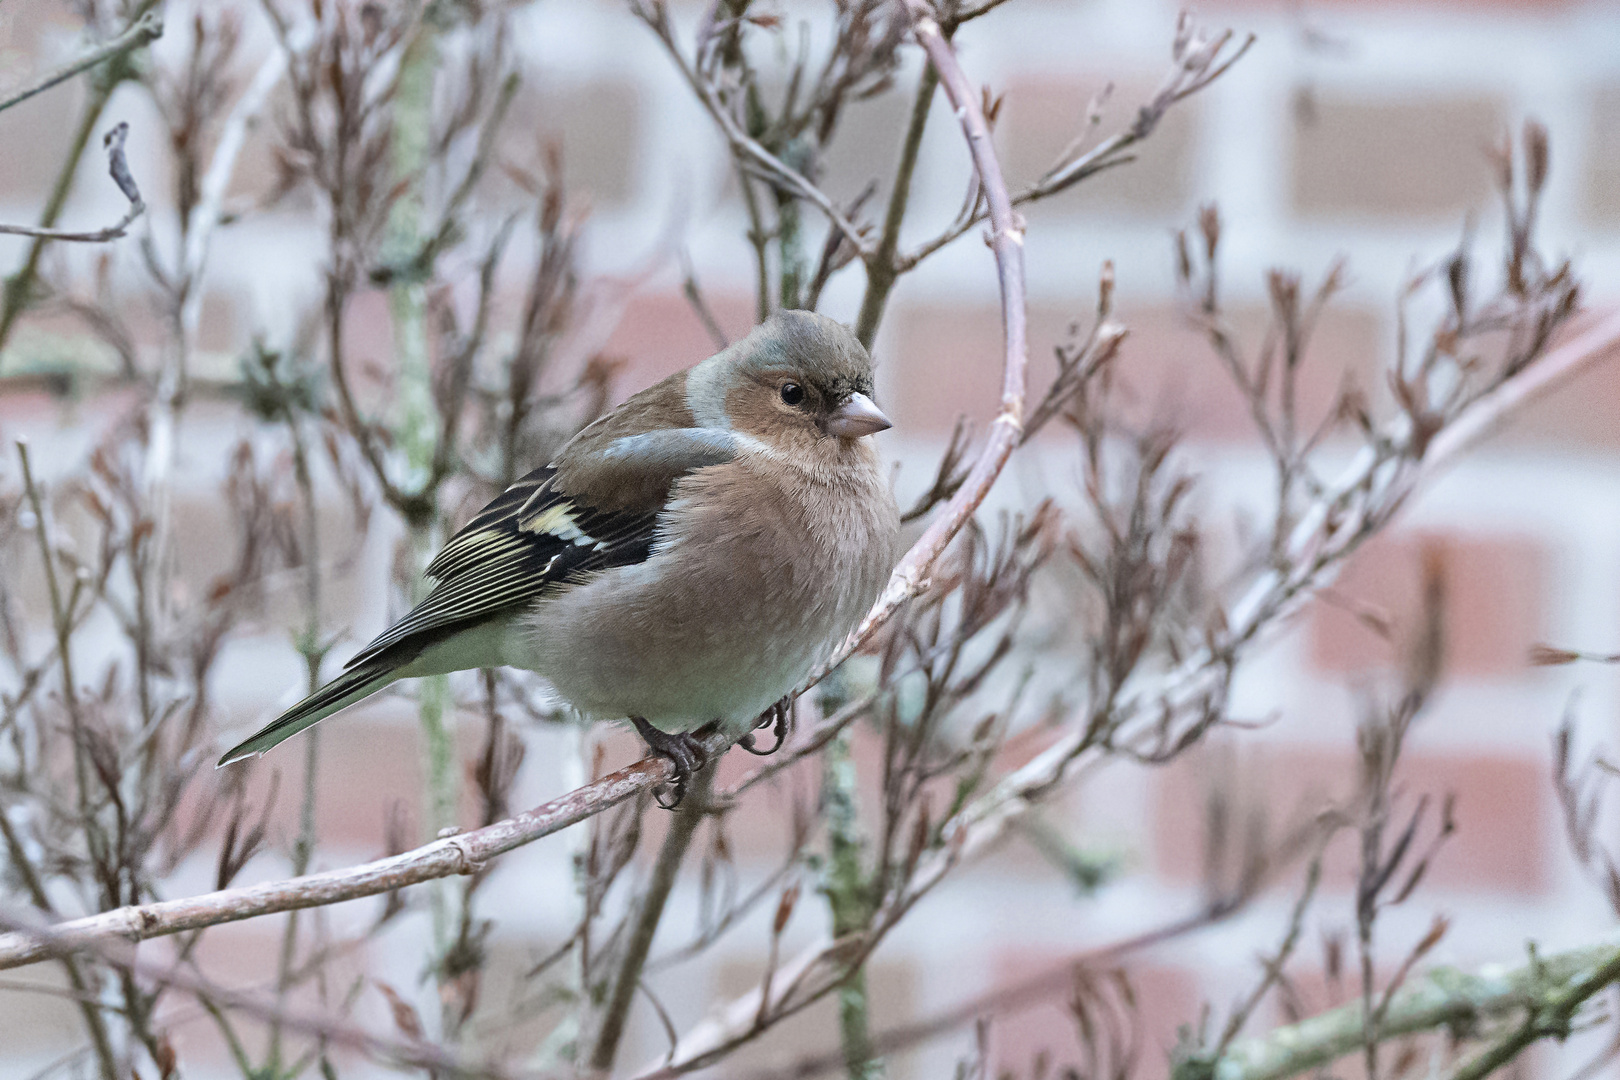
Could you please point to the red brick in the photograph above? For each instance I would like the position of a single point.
(369, 762)
(1165, 998)
(1494, 608)
(1501, 811)
(597, 128)
(38, 1023)
(659, 334)
(948, 357)
(368, 344)
(1600, 179)
(1581, 413)
(1406, 156)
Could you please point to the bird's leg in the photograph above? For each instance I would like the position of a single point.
(775, 718)
(683, 750)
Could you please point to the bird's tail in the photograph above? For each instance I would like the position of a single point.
(343, 691)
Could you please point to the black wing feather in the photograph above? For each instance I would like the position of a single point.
(531, 538)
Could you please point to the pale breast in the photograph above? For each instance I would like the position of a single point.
(739, 601)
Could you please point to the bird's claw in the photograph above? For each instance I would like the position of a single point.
(684, 752)
(775, 718)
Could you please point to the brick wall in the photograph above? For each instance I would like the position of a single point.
(1367, 143)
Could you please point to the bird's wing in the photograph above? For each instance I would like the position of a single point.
(536, 535)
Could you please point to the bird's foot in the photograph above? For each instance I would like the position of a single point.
(775, 718)
(682, 749)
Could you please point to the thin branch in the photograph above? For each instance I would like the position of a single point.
(205, 215)
(1006, 430)
(118, 169)
(694, 296)
(1195, 68)
(749, 153)
(19, 286)
(987, 817)
(145, 30)
(1036, 989)
(981, 824)
(880, 270)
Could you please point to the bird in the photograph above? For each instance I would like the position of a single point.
(682, 564)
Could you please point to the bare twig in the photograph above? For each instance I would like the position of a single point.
(118, 168)
(145, 30)
(750, 154)
(1023, 994)
(1198, 61)
(19, 286)
(984, 820)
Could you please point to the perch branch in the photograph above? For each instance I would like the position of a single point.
(463, 854)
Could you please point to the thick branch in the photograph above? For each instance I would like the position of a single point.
(648, 912)
(462, 854)
(1547, 988)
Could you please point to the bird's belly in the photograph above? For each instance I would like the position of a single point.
(680, 652)
(676, 676)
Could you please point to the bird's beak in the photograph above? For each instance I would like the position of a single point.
(856, 417)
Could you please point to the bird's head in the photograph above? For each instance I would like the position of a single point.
(798, 378)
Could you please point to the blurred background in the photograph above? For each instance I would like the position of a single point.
(1349, 130)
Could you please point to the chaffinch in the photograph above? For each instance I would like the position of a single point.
(686, 560)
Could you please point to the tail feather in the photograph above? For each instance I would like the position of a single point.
(341, 692)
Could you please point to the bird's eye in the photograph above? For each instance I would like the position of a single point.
(792, 393)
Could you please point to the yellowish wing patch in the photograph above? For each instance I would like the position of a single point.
(558, 521)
